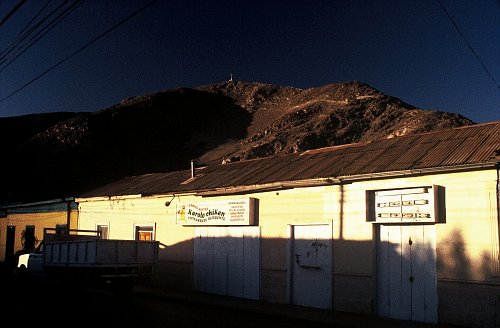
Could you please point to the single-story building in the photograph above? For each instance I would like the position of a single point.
(22, 224)
(404, 228)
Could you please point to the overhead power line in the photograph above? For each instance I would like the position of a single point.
(19, 49)
(468, 44)
(80, 49)
(24, 29)
(24, 34)
(12, 12)
(34, 17)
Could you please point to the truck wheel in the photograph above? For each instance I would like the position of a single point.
(22, 269)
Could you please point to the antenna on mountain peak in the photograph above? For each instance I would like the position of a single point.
(231, 78)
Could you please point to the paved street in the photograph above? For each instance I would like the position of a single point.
(40, 301)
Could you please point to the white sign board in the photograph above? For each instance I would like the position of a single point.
(225, 212)
(405, 205)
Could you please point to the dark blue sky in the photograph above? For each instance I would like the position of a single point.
(407, 49)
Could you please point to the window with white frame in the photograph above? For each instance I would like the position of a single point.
(145, 232)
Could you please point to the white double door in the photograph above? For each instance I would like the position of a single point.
(406, 272)
(227, 261)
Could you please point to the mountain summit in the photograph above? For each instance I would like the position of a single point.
(287, 119)
(63, 154)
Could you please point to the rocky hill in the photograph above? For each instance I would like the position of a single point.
(286, 119)
(63, 154)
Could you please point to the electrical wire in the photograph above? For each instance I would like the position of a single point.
(12, 12)
(7, 60)
(22, 36)
(16, 40)
(468, 44)
(34, 17)
(79, 50)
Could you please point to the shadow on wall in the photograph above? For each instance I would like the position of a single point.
(350, 279)
(406, 286)
(456, 261)
(469, 289)
(355, 285)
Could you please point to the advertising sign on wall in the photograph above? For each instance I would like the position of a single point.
(239, 211)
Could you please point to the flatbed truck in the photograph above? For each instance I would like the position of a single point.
(83, 256)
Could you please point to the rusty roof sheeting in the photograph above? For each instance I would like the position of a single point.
(475, 144)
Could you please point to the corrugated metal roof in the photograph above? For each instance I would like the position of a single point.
(475, 144)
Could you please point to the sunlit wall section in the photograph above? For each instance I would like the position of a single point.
(352, 250)
(467, 250)
(468, 242)
(35, 217)
(124, 216)
(277, 212)
(465, 236)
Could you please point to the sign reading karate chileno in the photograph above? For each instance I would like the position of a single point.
(239, 211)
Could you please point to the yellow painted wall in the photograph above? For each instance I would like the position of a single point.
(122, 215)
(467, 243)
(39, 220)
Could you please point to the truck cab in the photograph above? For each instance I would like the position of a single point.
(31, 263)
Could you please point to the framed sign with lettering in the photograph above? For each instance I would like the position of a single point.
(239, 211)
(419, 204)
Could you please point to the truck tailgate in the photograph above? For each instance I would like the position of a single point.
(101, 252)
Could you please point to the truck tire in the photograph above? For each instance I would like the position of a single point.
(22, 270)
